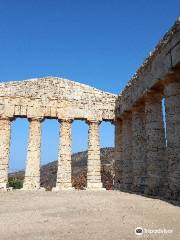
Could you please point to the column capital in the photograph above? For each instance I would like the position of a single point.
(172, 88)
(38, 119)
(126, 115)
(117, 119)
(138, 107)
(66, 120)
(6, 118)
(172, 77)
(153, 96)
(91, 121)
(113, 122)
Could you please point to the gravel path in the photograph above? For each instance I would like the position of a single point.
(77, 215)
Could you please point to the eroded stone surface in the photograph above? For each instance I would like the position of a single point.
(55, 98)
(64, 157)
(139, 160)
(5, 126)
(127, 171)
(118, 179)
(172, 102)
(94, 162)
(32, 173)
(155, 144)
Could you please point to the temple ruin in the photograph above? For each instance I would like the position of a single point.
(147, 140)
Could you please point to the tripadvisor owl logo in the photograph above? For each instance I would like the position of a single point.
(139, 231)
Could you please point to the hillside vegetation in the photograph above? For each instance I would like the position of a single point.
(79, 171)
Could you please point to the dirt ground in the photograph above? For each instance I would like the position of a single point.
(77, 215)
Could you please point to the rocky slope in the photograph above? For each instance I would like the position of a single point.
(79, 170)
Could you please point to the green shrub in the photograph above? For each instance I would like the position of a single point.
(15, 183)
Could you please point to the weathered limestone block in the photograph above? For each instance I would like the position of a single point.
(138, 149)
(127, 171)
(8, 111)
(64, 159)
(53, 112)
(2, 106)
(56, 98)
(17, 110)
(23, 111)
(47, 111)
(32, 173)
(35, 112)
(5, 126)
(118, 155)
(155, 145)
(94, 163)
(172, 103)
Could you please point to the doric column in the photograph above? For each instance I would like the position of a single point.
(127, 174)
(94, 163)
(63, 181)
(32, 173)
(172, 106)
(138, 149)
(155, 144)
(5, 126)
(118, 155)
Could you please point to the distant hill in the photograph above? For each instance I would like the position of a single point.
(79, 170)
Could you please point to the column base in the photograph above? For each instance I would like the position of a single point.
(127, 187)
(172, 195)
(4, 187)
(41, 189)
(119, 187)
(138, 189)
(151, 191)
(95, 187)
(7, 189)
(58, 189)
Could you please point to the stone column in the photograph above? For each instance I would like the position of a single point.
(5, 126)
(118, 155)
(63, 181)
(138, 149)
(127, 173)
(172, 106)
(94, 163)
(32, 173)
(155, 145)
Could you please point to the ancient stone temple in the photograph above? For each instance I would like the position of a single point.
(53, 98)
(147, 136)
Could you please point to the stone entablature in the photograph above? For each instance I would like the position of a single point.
(55, 98)
(154, 71)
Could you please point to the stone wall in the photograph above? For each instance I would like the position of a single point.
(149, 153)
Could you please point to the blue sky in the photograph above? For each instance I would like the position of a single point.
(99, 42)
